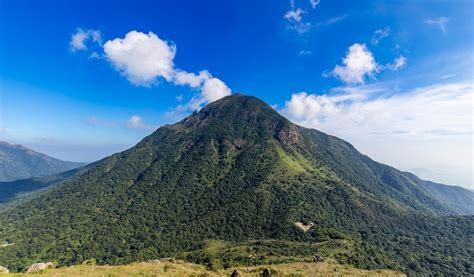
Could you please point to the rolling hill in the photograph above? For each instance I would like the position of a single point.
(268, 190)
(18, 162)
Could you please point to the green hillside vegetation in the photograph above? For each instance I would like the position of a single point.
(179, 269)
(225, 187)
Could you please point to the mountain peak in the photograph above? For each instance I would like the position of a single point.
(237, 171)
(238, 103)
(243, 117)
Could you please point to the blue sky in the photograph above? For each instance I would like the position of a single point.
(80, 80)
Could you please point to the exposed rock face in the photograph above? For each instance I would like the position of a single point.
(289, 135)
(304, 227)
(236, 273)
(39, 266)
(4, 269)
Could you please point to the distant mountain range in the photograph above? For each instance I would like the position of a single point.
(19, 162)
(237, 183)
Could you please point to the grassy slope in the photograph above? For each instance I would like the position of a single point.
(180, 268)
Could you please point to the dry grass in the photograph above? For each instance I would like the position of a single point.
(180, 268)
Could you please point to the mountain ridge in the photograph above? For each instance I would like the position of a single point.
(19, 162)
(240, 172)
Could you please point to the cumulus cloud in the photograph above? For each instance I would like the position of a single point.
(445, 107)
(79, 38)
(379, 35)
(193, 80)
(144, 59)
(213, 89)
(441, 22)
(358, 63)
(424, 125)
(141, 58)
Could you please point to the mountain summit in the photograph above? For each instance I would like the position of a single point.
(240, 179)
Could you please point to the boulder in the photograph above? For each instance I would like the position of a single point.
(39, 267)
(236, 273)
(4, 269)
(266, 273)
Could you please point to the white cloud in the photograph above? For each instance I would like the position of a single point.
(294, 15)
(379, 35)
(295, 19)
(314, 3)
(358, 63)
(398, 63)
(79, 38)
(145, 58)
(408, 129)
(441, 22)
(136, 122)
(441, 107)
(213, 89)
(141, 58)
(185, 78)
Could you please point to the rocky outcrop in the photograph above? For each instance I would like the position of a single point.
(3, 269)
(236, 273)
(266, 273)
(303, 226)
(39, 267)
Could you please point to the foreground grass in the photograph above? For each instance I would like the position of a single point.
(179, 268)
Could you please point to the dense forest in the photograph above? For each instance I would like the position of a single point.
(225, 187)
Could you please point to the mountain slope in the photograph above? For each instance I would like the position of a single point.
(238, 171)
(15, 190)
(18, 162)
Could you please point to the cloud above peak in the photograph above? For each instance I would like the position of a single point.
(358, 63)
(141, 58)
(144, 59)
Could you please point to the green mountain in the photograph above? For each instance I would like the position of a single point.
(17, 190)
(18, 162)
(237, 183)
